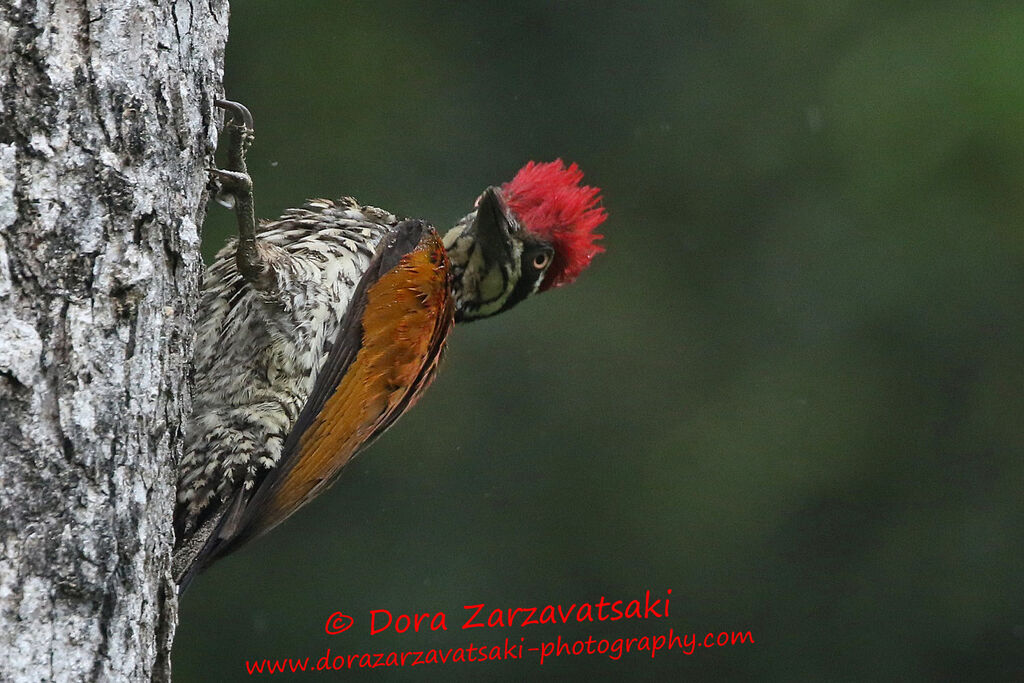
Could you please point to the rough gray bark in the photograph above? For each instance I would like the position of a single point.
(106, 127)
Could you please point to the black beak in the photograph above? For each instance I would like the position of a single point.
(493, 227)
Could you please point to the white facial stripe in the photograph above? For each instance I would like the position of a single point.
(540, 280)
(493, 287)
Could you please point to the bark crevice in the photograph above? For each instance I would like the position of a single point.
(105, 135)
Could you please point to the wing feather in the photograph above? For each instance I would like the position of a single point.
(386, 353)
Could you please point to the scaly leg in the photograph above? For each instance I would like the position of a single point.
(236, 184)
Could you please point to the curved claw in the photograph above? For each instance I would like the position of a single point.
(232, 181)
(239, 112)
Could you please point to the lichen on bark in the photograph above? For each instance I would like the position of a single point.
(107, 125)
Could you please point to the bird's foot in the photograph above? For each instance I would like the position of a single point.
(233, 185)
(235, 191)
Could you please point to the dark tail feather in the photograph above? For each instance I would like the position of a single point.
(198, 551)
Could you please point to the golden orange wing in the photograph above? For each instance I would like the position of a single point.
(387, 353)
(407, 317)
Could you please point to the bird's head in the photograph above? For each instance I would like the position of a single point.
(533, 233)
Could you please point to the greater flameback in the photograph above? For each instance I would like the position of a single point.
(318, 330)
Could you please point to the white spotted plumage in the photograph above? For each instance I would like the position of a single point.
(258, 353)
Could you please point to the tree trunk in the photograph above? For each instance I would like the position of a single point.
(106, 127)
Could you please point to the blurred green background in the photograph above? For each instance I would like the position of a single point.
(791, 391)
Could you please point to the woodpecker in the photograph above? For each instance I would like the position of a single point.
(319, 329)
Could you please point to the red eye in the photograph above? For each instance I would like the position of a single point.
(541, 260)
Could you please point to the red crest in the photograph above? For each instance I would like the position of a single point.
(551, 202)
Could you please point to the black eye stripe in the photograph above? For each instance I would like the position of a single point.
(526, 285)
